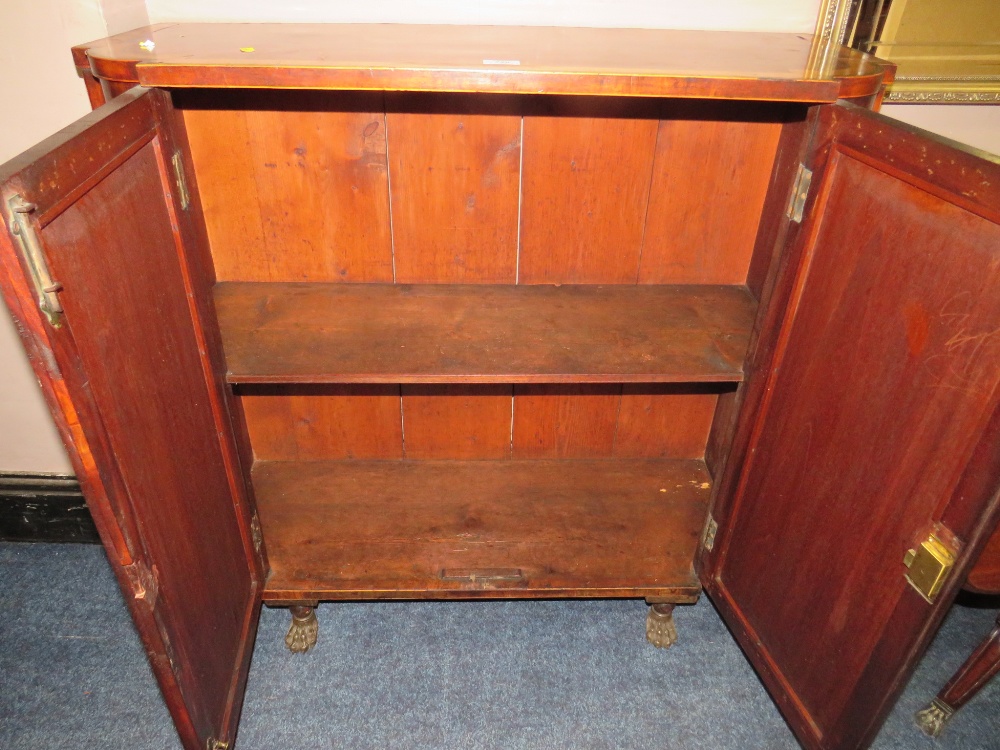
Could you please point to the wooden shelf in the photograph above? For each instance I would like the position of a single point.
(481, 529)
(438, 333)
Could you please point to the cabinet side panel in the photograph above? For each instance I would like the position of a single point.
(772, 232)
(710, 177)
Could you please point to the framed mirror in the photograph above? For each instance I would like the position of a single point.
(945, 50)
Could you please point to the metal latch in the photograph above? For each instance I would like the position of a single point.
(177, 161)
(708, 536)
(45, 287)
(928, 567)
(255, 533)
(797, 203)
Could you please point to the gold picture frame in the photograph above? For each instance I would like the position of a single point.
(946, 51)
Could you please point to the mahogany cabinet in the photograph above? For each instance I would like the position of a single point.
(369, 312)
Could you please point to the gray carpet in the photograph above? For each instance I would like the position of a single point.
(455, 676)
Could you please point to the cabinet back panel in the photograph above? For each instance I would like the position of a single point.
(330, 422)
(455, 185)
(292, 190)
(328, 186)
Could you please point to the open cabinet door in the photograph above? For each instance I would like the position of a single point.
(870, 426)
(106, 272)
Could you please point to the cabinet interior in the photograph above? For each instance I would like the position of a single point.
(485, 345)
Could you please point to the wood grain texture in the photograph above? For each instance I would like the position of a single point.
(303, 423)
(221, 150)
(292, 190)
(552, 421)
(455, 189)
(710, 176)
(585, 185)
(664, 422)
(456, 421)
(377, 530)
(378, 333)
(125, 324)
(883, 425)
(984, 578)
(397, 57)
(295, 184)
(794, 148)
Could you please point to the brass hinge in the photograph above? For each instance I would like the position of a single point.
(255, 533)
(182, 189)
(144, 581)
(214, 744)
(31, 249)
(797, 203)
(708, 536)
(928, 566)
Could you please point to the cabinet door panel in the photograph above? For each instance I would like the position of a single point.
(130, 374)
(871, 420)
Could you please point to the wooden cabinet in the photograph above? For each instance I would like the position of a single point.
(337, 313)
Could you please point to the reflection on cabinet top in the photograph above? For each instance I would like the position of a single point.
(494, 59)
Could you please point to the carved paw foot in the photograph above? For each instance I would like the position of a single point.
(933, 719)
(303, 631)
(660, 629)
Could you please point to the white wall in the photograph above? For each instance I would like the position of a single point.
(43, 95)
(734, 15)
(975, 124)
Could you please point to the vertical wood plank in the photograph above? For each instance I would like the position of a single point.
(220, 149)
(585, 185)
(664, 422)
(710, 179)
(306, 423)
(322, 185)
(553, 421)
(454, 178)
(454, 182)
(457, 421)
(293, 190)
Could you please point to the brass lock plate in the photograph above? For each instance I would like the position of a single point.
(928, 567)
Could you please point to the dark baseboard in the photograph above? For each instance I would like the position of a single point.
(44, 508)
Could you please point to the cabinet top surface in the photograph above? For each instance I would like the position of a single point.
(495, 59)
